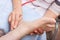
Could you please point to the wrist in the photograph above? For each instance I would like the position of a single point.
(51, 14)
(24, 28)
(39, 22)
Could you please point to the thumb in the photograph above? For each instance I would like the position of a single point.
(51, 21)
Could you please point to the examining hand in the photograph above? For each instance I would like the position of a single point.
(14, 18)
(50, 14)
(15, 15)
(48, 27)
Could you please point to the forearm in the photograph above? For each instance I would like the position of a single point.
(15, 34)
(17, 5)
(54, 10)
(50, 13)
(22, 30)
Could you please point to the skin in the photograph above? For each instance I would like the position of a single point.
(50, 14)
(25, 28)
(14, 16)
(17, 13)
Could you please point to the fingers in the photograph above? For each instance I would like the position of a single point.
(37, 31)
(50, 27)
(13, 20)
(18, 18)
(41, 31)
(51, 21)
(14, 17)
(34, 32)
(49, 24)
(17, 22)
(9, 20)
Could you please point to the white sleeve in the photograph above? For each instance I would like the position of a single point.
(55, 8)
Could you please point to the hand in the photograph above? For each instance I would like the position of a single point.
(38, 31)
(50, 14)
(43, 23)
(49, 27)
(14, 18)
